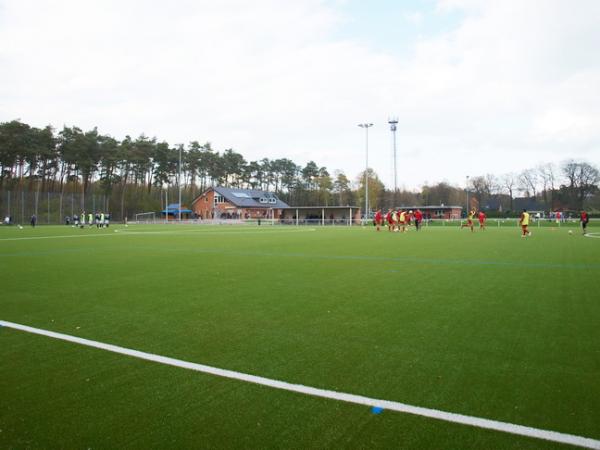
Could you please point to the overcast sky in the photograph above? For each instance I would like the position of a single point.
(477, 86)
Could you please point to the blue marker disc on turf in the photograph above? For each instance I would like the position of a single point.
(376, 410)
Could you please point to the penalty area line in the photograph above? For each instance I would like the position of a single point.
(462, 419)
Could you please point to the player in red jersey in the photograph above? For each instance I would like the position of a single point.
(418, 219)
(378, 219)
(389, 220)
(482, 218)
(584, 219)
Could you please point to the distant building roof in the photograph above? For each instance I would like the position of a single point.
(173, 208)
(432, 207)
(530, 204)
(322, 207)
(248, 198)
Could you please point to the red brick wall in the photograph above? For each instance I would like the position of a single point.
(204, 204)
(203, 207)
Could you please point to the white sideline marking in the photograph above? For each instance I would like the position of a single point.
(592, 235)
(505, 427)
(144, 233)
(55, 237)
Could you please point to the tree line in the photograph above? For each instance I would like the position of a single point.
(72, 159)
(132, 173)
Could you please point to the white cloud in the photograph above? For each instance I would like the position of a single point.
(514, 84)
(414, 17)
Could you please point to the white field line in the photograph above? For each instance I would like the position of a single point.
(504, 427)
(138, 233)
(29, 238)
(593, 235)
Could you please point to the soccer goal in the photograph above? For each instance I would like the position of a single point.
(147, 217)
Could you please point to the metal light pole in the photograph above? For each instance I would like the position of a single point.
(366, 126)
(167, 204)
(467, 211)
(179, 182)
(393, 121)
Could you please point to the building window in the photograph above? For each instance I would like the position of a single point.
(219, 199)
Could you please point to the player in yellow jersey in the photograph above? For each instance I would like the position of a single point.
(469, 221)
(402, 221)
(524, 222)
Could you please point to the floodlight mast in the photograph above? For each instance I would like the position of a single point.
(179, 181)
(393, 121)
(468, 206)
(366, 126)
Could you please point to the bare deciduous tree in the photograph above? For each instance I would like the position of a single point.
(528, 182)
(509, 182)
(583, 180)
(547, 176)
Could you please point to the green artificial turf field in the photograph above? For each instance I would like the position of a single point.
(484, 324)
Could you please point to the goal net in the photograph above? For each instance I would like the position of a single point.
(147, 217)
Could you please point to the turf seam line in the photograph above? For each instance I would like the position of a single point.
(462, 419)
(411, 259)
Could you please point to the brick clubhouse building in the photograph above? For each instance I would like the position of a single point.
(229, 203)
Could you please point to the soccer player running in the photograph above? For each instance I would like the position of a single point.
(469, 221)
(482, 218)
(584, 219)
(378, 219)
(524, 222)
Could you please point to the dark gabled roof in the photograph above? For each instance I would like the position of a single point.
(432, 207)
(322, 207)
(530, 204)
(249, 198)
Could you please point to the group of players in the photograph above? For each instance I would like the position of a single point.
(99, 219)
(480, 216)
(584, 219)
(398, 220)
(401, 219)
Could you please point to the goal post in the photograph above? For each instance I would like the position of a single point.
(147, 217)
